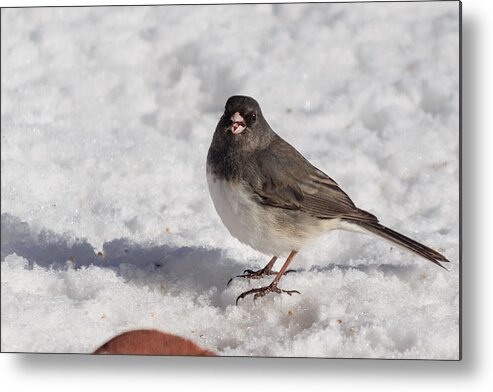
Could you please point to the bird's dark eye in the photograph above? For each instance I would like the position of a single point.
(254, 116)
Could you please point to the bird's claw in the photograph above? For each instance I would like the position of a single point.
(262, 291)
(241, 276)
(251, 274)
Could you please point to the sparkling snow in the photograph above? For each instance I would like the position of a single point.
(107, 115)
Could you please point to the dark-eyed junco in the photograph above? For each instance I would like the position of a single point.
(271, 198)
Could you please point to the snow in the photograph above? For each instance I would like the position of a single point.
(107, 115)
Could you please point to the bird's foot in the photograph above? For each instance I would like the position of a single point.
(250, 274)
(260, 292)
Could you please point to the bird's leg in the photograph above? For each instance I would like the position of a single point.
(272, 288)
(250, 274)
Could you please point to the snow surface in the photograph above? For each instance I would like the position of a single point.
(107, 115)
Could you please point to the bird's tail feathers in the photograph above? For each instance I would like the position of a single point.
(404, 242)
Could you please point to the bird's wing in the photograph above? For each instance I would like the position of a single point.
(281, 177)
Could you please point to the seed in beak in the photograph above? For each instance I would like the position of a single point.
(238, 123)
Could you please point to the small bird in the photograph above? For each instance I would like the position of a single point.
(273, 199)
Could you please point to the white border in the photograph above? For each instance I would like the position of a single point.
(473, 373)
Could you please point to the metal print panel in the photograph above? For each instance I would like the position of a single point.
(274, 180)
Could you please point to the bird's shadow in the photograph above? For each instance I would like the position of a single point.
(200, 268)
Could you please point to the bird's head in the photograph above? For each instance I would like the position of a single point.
(242, 123)
(240, 113)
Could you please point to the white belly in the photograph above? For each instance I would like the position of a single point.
(272, 231)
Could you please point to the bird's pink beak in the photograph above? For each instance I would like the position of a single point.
(238, 123)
